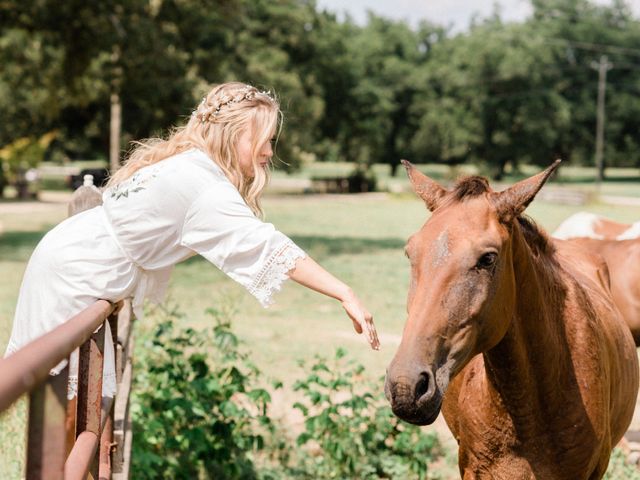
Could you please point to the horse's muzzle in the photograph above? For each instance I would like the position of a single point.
(414, 398)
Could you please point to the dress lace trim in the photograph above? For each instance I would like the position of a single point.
(274, 272)
(72, 387)
(108, 385)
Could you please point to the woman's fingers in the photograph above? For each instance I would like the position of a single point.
(375, 342)
(371, 332)
(363, 322)
(356, 326)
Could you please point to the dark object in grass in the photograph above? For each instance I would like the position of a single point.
(100, 177)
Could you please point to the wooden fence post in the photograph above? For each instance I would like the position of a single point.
(122, 434)
(47, 440)
(90, 390)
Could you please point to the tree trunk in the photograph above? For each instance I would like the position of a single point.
(394, 168)
(114, 133)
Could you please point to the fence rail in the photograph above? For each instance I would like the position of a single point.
(30, 365)
(74, 438)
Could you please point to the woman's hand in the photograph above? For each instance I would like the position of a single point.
(362, 319)
(308, 273)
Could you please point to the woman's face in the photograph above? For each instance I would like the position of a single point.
(245, 154)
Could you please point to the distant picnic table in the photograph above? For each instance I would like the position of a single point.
(342, 184)
(330, 184)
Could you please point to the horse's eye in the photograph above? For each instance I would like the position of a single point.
(487, 260)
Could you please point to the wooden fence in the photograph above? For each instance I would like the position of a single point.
(88, 436)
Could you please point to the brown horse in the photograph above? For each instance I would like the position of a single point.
(586, 224)
(539, 370)
(623, 259)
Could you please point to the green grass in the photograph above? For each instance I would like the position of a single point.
(358, 238)
(13, 440)
(620, 181)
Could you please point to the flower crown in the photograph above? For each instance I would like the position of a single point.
(207, 113)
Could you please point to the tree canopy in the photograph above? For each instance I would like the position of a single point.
(500, 93)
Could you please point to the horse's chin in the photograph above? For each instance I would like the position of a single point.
(422, 413)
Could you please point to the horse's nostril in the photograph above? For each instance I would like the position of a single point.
(422, 387)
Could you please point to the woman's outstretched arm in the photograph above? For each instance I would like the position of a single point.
(309, 274)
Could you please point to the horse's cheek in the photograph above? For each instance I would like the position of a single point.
(412, 291)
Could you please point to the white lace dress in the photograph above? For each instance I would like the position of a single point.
(162, 215)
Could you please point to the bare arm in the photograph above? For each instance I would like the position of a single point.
(309, 274)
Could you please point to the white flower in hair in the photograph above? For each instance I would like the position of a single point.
(205, 112)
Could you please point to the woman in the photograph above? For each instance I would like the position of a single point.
(197, 192)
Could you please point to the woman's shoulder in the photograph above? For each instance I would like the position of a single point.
(198, 161)
(186, 174)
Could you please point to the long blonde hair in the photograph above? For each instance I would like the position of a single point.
(215, 127)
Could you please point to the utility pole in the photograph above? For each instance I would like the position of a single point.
(602, 66)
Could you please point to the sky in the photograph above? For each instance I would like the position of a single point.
(454, 13)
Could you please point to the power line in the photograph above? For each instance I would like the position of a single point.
(598, 47)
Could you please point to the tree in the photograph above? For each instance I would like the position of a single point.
(581, 32)
(489, 97)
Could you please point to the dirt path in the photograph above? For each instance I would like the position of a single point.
(47, 201)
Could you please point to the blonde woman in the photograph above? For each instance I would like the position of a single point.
(197, 192)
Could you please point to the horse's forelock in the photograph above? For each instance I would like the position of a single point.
(472, 186)
(537, 239)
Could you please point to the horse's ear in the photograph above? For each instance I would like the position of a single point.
(513, 201)
(428, 190)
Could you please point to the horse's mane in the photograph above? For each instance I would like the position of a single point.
(536, 238)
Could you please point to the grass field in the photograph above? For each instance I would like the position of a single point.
(358, 238)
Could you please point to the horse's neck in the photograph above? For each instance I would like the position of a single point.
(529, 359)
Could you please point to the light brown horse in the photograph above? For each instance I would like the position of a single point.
(586, 224)
(623, 259)
(517, 340)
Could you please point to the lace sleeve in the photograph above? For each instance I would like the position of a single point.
(274, 272)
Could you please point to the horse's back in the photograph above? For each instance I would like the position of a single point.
(581, 224)
(590, 225)
(630, 233)
(623, 260)
(588, 267)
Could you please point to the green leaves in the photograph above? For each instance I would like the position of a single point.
(195, 406)
(200, 410)
(500, 93)
(20, 156)
(355, 430)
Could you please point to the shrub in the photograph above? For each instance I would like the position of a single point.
(197, 413)
(354, 431)
(195, 408)
(17, 158)
(619, 468)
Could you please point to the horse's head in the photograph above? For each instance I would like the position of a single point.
(462, 292)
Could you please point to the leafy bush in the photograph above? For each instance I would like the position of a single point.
(197, 413)
(20, 156)
(195, 408)
(353, 431)
(619, 468)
